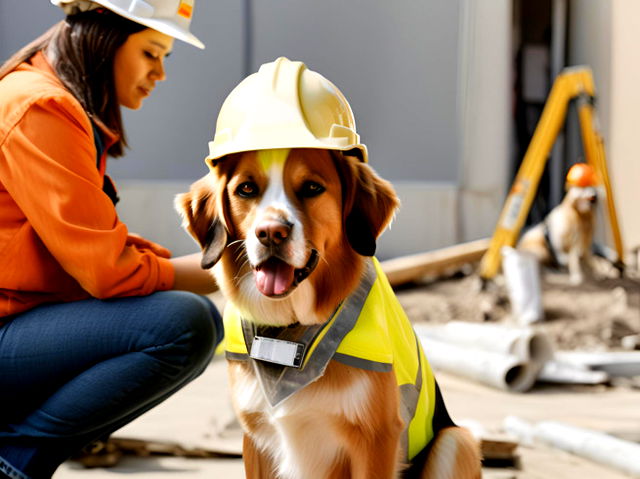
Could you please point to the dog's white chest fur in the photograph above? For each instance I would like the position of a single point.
(302, 433)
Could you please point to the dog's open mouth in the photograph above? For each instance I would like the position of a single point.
(277, 278)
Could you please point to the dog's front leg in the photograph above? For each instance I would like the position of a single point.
(575, 267)
(257, 465)
(373, 445)
(378, 459)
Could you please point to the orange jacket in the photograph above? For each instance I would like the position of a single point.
(60, 236)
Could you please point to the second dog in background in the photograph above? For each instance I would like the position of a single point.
(565, 237)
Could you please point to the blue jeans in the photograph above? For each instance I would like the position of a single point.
(74, 372)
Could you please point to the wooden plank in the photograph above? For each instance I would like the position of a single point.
(406, 269)
(499, 448)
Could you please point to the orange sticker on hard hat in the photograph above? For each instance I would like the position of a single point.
(185, 10)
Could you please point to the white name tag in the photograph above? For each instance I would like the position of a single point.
(286, 353)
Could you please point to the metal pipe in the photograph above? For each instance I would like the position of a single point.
(596, 446)
(526, 344)
(503, 371)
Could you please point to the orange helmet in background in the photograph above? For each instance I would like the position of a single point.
(581, 175)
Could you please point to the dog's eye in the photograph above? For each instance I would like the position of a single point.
(248, 189)
(310, 189)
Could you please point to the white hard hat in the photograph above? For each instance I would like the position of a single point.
(285, 105)
(171, 17)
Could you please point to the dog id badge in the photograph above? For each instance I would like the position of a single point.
(278, 351)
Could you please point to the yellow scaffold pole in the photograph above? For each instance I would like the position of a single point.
(574, 82)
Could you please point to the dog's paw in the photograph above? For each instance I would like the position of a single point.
(576, 279)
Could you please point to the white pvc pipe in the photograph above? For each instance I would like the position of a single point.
(615, 363)
(596, 446)
(523, 343)
(565, 373)
(502, 371)
(522, 275)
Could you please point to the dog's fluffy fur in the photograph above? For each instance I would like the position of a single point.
(565, 236)
(261, 219)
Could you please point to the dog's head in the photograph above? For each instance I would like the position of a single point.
(582, 199)
(287, 229)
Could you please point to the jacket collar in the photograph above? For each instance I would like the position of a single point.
(40, 62)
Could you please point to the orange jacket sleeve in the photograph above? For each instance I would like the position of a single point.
(48, 167)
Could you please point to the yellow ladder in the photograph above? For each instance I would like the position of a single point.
(572, 83)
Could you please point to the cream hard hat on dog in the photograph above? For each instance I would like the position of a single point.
(285, 105)
(171, 17)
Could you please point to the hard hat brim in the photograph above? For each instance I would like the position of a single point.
(163, 26)
(167, 26)
(220, 155)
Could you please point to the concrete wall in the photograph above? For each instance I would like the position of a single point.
(604, 35)
(168, 136)
(426, 214)
(484, 113)
(624, 151)
(395, 61)
(590, 44)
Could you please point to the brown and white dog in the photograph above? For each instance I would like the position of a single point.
(565, 237)
(289, 232)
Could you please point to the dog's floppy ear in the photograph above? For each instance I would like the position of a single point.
(369, 203)
(199, 217)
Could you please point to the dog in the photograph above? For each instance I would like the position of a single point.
(290, 235)
(565, 237)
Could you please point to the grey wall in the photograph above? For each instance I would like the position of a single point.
(395, 62)
(590, 44)
(23, 20)
(168, 136)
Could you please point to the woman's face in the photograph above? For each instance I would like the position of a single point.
(139, 64)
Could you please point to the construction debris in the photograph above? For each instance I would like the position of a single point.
(499, 451)
(614, 363)
(500, 356)
(630, 342)
(410, 268)
(144, 448)
(596, 446)
(497, 448)
(558, 372)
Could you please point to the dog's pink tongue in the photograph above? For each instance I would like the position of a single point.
(274, 277)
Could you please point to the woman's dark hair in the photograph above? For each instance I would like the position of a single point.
(84, 47)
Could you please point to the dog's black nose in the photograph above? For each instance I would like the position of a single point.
(273, 232)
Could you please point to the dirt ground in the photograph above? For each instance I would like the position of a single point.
(593, 316)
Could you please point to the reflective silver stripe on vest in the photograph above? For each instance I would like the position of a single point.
(279, 382)
(410, 394)
(360, 363)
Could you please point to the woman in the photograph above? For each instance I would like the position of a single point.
(90, 335)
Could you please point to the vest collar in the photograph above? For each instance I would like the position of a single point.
(321, 343)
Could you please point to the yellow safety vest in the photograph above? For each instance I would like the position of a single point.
(369, 330)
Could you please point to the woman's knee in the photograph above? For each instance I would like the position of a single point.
(190, 326)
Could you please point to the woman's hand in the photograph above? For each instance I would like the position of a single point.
(143, 243)
(189, 275)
